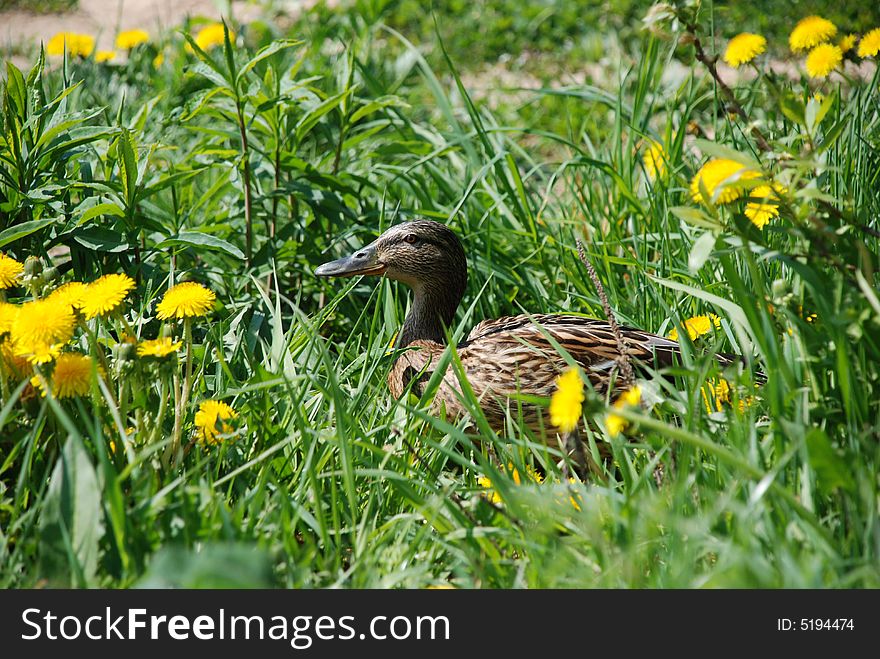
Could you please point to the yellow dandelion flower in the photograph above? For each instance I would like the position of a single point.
(616, 424)
(847, 43)
(869, 45)
(719, 176)
(105, 294)
(105, 56)
(185, 300)
(823, 59)
(743, 48)
(762, 211)
(212, 35)
(7, 317)
(697, 326)
(159, 59)
(715, 395)
(575, 499)
(491, 493)
(655, 160)
(12, 367)
(72, 376)
(72, 293)
(532, 476)
(40, 328)
(10, 271)
(75, 44)
(161, 347)
(632, 396)
(565, 404)
(131, 38)
(211, 421)
(810, 32)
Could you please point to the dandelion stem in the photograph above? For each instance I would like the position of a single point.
(160, 418)
(180, 410)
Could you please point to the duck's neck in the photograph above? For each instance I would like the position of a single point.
(432, 312)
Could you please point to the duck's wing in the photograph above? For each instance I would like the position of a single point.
(526, 342)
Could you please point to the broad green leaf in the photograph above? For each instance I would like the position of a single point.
(314, 116)
(716, 150)
(101, 209)
(373, 106)
(212, 565)
(205, 240)
(267, 51)
(16, 91)
(17, 231)
(793, 109)
(71, 520)
(128, 165)
(101, 239)
(69, 121)
(816, 111)
(831, 471)
(700, 251)
(695, 216)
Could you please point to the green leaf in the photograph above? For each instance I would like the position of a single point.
(793, 109)
(211, 74)
(204, 57)
(695, 216)
(128, 165)
(816, 112)
(17, 231)
(199, 239)
(101, 209)
(700, 251)
(16, 91)
(213, 565)
(70, 120)
(831, 470)
(833, 133)
(267, 51)
(314, 116)
(720, 151)
(71, 522)
(373, 106)
(101, 239)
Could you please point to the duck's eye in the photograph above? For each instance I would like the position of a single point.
(410, 238)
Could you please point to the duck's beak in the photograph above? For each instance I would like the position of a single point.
(363, 262)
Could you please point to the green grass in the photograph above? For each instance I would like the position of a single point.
(39, 6)
(324, 479)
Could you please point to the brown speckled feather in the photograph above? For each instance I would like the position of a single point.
(513, 355)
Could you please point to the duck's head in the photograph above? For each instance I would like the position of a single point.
(424, 255)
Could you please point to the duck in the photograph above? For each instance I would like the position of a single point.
(508, 361)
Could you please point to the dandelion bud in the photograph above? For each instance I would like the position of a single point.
(51, 274)
(126, 351)
(32, 266)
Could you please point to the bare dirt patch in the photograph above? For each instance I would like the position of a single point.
(105, 18)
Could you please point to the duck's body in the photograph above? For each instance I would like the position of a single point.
(512, 357)
(505, 360)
